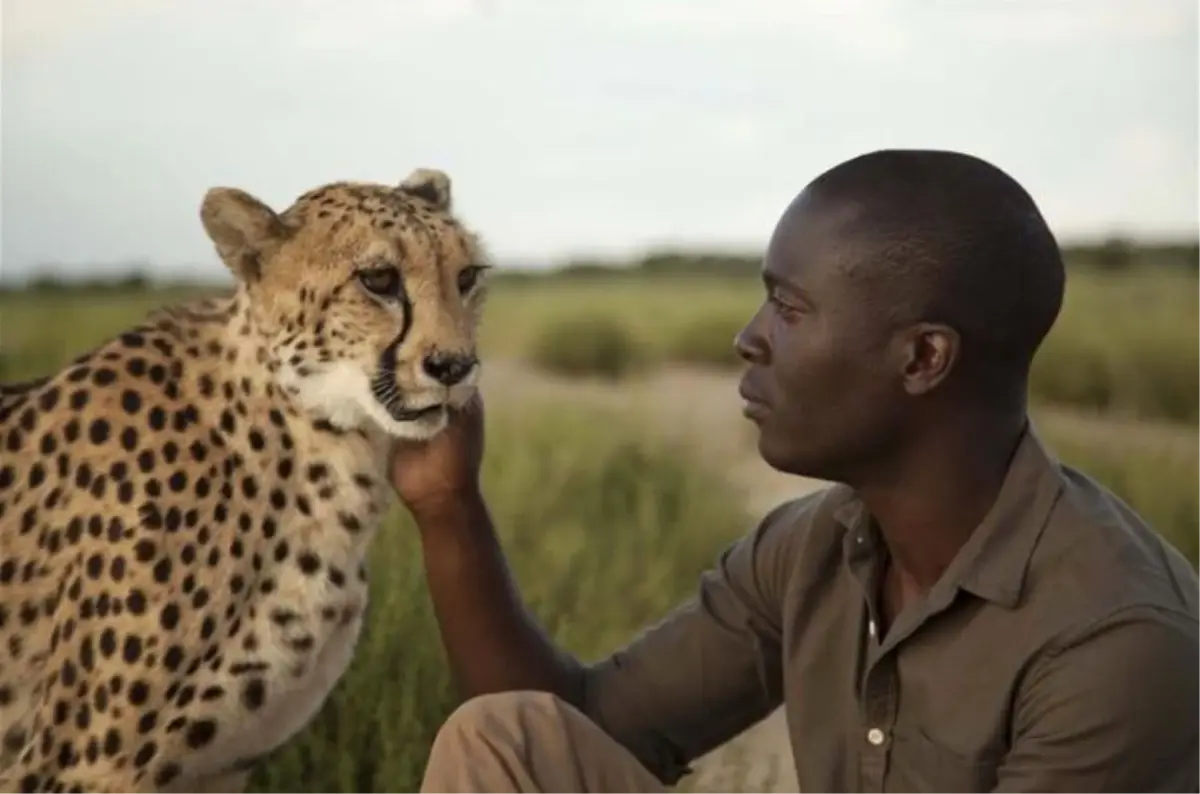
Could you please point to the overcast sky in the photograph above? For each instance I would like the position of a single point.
(573, 127)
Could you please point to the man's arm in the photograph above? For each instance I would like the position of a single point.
(700, 676)
(1115, 710)
(492, 641)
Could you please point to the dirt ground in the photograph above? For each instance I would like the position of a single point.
(707, 407)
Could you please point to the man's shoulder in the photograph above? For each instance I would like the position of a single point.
(817, 514)
(1101, 557)
(801, 534)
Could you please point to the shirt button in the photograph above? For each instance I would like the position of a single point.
(875, 736)
(871, 628)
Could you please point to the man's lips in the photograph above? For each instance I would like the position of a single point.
(753, 405)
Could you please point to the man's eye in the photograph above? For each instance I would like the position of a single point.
(382, 281)
(781, 305)
(468, 277)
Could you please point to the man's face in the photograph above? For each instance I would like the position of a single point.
(823, 384)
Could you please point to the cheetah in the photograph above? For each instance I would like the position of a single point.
(185, 510)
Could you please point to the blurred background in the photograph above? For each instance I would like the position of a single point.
(625, 161)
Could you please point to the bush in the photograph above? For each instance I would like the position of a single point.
(1139, 373)
(34, 357)
(606, 530)
(1126, 343)
(707, 341)
(598, 345)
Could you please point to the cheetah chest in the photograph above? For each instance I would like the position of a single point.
(300, 629)
(300, 658)
(281, 667)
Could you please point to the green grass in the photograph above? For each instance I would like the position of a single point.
(598, 345)
(707, 341)
(606, 529)
(1126, 342)
(653, 309)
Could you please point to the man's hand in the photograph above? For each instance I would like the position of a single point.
(430, 475)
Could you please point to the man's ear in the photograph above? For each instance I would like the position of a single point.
(244, 230)
(927, 353)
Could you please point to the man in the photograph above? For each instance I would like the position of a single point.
(959, 612)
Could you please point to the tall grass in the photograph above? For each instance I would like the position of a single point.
(1126, 343)
(598, 345)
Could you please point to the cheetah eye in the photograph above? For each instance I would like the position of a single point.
(468, 277)
(382, 281)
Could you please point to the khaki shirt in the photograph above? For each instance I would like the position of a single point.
(1058, 652)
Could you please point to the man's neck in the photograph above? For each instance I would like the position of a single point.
(939, 493)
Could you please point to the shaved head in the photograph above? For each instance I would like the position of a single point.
(945, 237)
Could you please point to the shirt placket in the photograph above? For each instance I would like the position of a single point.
(879, 698)
(880, 683)
(877, 693)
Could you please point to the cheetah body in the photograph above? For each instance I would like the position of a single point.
(185, 511)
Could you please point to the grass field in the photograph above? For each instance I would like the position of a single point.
(606, 521)
(1126, 342)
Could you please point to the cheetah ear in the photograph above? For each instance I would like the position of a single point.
(244, 230)
(429, 184)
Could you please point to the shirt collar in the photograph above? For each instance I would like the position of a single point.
(992, 564)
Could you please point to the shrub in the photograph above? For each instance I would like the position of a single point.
(597, 345)
(1126, 343)
(33, 357)
(707, 341)
(1140, 373)
(606, 529)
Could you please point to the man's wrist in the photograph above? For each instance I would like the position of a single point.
(455, 510)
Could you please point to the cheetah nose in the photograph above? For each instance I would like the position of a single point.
(449, 368)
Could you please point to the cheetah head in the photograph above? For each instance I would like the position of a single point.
(365, 298)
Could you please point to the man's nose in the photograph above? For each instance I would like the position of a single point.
(749, 344)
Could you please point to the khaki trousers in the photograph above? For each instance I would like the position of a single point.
(529, 741)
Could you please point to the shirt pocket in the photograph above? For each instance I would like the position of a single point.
(918, 762)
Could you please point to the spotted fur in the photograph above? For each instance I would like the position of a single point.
(185, 510)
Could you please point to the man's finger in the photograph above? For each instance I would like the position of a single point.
(474, 404)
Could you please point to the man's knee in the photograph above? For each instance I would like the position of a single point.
(506, 717)
(529, 741)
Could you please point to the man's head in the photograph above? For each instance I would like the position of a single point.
(900, 286)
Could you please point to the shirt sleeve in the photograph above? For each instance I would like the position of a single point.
(1113, 710)
(711, 668)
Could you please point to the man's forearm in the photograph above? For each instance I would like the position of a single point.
(492, 641)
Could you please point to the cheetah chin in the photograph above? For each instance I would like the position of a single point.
(186, 510)
(350, 399)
